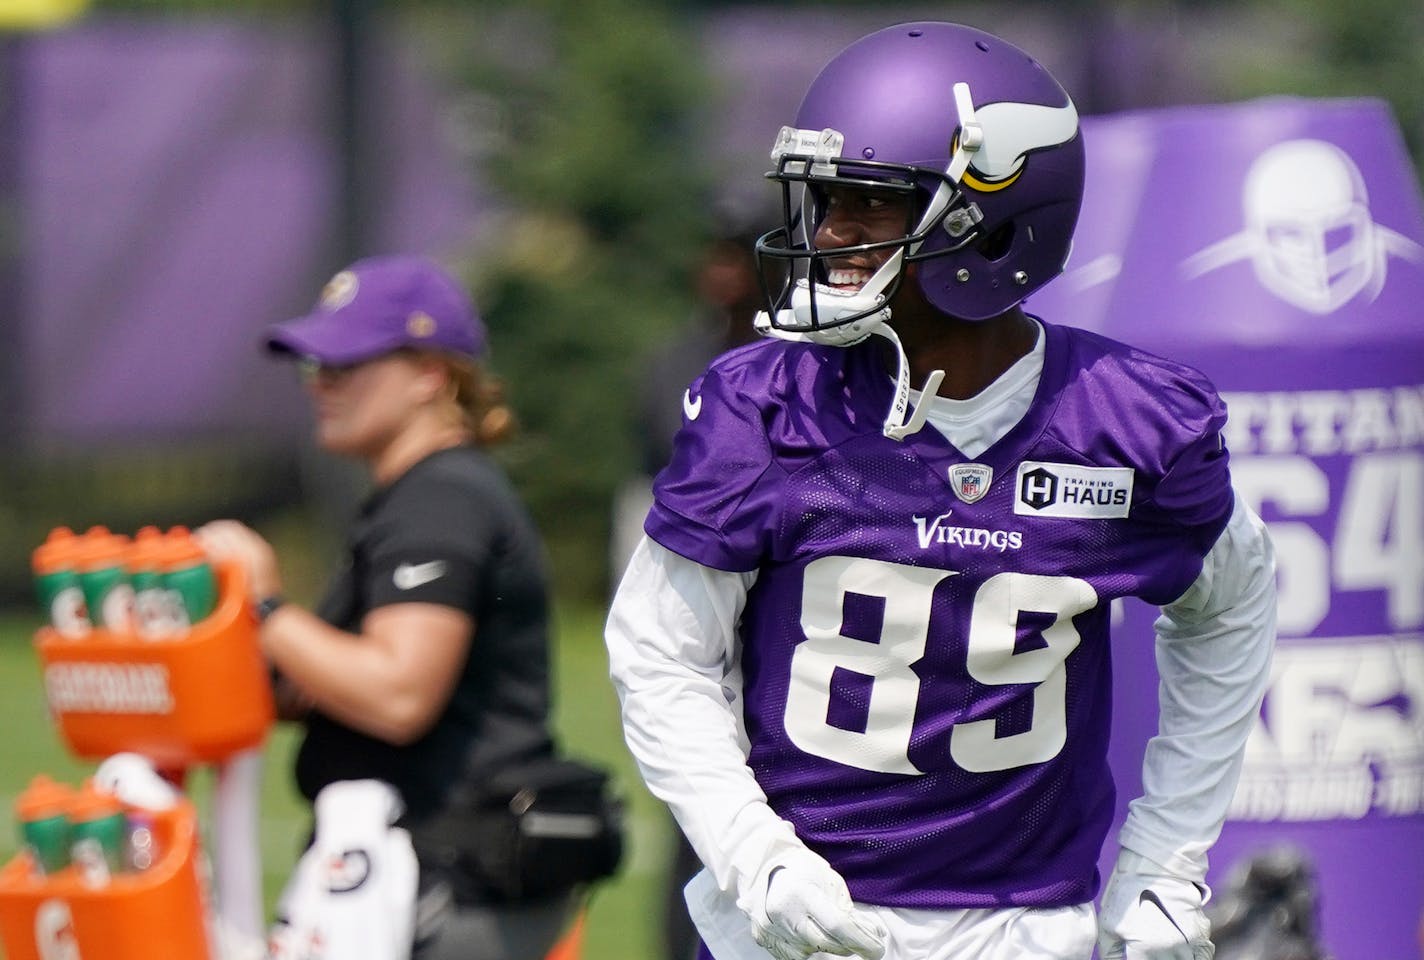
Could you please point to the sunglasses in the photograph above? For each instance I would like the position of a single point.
(313, 370)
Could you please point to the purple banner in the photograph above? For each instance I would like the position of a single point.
(179, 189)
(1279, 246)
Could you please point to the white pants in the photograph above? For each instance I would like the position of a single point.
(1023, 933)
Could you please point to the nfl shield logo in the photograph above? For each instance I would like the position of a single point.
(970, 481)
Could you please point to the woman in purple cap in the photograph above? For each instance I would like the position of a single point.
(426, 664)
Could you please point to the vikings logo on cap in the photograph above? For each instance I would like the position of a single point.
(339, 290)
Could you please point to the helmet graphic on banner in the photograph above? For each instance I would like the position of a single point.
(975, 129)
(1308, 230)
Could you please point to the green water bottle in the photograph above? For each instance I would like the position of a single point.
(42, 812)
(55, 565)
(192, 587)
(153, 607)
(105, 580)
(98, 835)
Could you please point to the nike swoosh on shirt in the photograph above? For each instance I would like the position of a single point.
(410, 575)
(692, 406)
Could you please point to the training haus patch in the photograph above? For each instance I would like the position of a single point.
(1067, 490)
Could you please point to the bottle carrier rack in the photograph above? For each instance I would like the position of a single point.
(157, 914)
(180, 701)
(195, 698)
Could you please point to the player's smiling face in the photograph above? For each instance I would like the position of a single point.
(855, 216)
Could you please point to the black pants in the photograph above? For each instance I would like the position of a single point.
(447, 930)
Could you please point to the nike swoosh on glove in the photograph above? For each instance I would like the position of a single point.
(803, 908)
(1147, 914)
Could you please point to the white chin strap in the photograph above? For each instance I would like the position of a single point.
(897, 425)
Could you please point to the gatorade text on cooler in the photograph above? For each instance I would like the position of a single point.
(42, 812)
(55, 566)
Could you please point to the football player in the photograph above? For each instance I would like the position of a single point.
(863, 649)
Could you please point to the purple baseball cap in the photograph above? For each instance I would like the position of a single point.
(379, 305)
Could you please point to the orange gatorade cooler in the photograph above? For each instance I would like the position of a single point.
(160, 913)
(199, 695)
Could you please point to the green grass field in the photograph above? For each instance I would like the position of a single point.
(624, 915)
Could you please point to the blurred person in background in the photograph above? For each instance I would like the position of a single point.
(728, 295)
(426, 664)
(863, 651)
(1270, 909)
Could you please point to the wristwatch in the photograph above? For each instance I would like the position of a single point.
(268, 606)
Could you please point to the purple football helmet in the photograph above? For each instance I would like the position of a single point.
(977, 129)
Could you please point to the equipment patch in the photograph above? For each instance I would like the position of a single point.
(1067, 490)
(970, 481)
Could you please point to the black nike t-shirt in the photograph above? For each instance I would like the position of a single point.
(451, 531)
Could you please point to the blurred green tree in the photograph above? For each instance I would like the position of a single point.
(591, 148)
(1369, 48)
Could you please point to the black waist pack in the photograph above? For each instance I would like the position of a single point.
(530, 831)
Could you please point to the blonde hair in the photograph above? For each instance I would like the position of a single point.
(479, 395)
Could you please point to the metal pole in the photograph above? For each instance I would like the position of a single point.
(353, 34)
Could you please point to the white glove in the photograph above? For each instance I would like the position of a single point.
(1148, 915)
(802, 907)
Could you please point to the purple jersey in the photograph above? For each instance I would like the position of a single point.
(925, 649)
